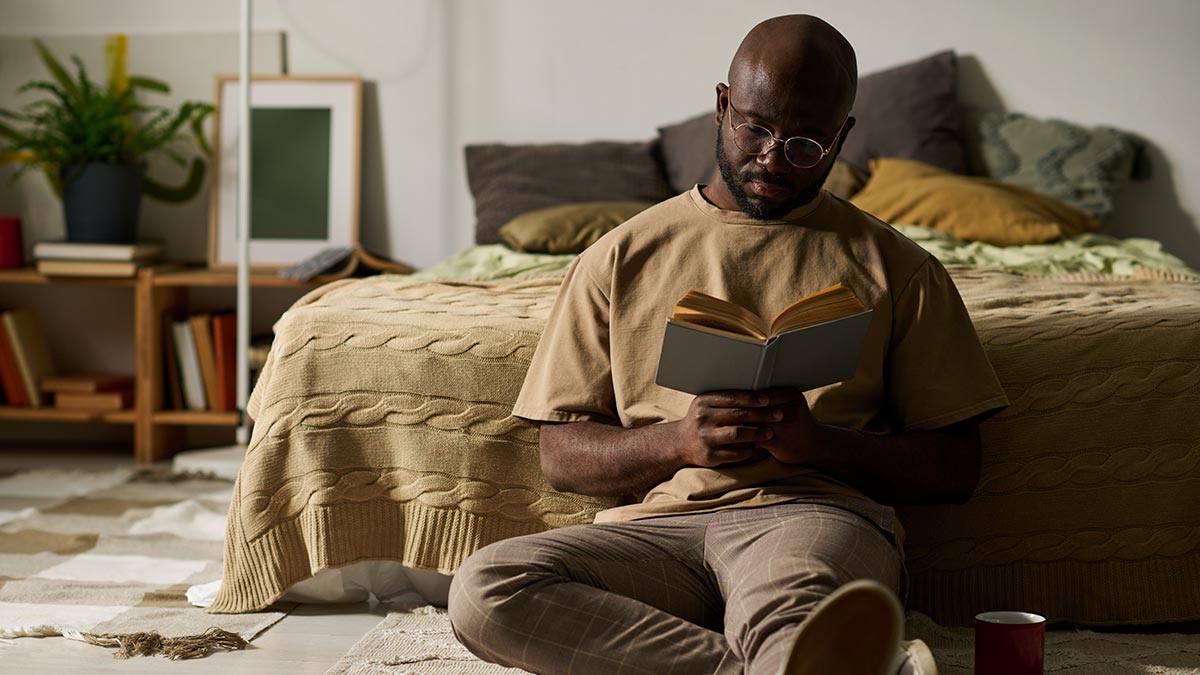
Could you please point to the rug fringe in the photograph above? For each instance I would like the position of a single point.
(149, 643)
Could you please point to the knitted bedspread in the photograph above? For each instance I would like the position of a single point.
(384, 431)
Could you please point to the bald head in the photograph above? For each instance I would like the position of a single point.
(799, 65)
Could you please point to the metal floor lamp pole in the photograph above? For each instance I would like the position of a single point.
(226, 461)
(243, 230)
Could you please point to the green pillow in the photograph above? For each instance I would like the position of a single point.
(568, 228)
(1080, 166)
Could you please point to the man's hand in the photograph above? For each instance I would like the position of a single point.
(723, 427)
(795, 435)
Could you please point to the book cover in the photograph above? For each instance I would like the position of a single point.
(224, 328)
(86, 384)
(67, 250)
(189, 365)
(202, 336)
(101, 401)
(173, 388)
(89, 268)
(29, 347)
(697, 360)
(10, 373)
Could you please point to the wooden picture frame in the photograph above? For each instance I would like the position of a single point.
(306, 156)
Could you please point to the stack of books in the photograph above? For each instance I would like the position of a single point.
(70, 259)
(201, 368)
(24, 360)
(90, 393)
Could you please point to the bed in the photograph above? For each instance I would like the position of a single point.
(383, 426)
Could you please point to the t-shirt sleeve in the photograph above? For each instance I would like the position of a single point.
(937, 372)
(570, 377)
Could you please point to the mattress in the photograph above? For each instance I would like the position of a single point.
(384, 432)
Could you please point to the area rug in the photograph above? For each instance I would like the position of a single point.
(419, 642)
(111, 554)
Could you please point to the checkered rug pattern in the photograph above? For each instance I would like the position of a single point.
(419, 641)
(112, 553)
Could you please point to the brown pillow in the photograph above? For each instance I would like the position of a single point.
(568, 228)
(508, 180)
(909, 111)
(845, 180)
(912, 193)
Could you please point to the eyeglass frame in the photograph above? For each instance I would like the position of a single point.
(780, 141)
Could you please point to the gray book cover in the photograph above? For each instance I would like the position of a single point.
(695, 360)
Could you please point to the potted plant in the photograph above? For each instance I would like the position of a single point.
(93, 140)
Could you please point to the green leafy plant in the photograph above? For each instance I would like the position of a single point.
(84, 122)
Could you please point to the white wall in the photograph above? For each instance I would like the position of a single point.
(449, 72)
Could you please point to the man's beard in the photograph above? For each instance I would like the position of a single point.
(760, 210)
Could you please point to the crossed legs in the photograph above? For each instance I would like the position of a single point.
(720, 593)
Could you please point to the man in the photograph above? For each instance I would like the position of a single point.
(761, 543)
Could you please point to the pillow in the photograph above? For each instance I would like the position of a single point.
(912, 193)
(689, 151)
(845, 180)
(910, 111)
(508, 180)
(1080, 166)
(568, 228)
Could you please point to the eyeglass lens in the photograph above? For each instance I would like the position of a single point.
(754, 140)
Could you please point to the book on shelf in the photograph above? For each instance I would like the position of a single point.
(114, 269)
(206, 353)
(86, 383)
(190, 379)
(172, 386)
(224, 329)
(712, 344)
(29, 350)
(10, 373)
(99, 401)
(69, 250)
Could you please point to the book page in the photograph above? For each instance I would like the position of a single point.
(828, 304)
(700, 309)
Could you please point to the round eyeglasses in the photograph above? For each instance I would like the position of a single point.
(800, 151)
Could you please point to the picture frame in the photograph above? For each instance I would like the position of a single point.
(306, 158)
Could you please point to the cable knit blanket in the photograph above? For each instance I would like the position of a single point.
(384, 432)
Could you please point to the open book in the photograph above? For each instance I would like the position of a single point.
(712, 344)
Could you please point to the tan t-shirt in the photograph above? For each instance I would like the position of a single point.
(921, 365)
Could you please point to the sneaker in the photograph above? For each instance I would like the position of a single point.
(914, 659)
(854, 631)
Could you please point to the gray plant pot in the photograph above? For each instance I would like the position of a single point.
(101, 202)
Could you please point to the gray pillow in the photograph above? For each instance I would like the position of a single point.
(508, 180)
(1080, 166)
(911, 112)
(689, 151)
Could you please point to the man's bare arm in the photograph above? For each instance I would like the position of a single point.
(605, 460)
(924, 467)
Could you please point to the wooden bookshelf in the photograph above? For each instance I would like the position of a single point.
(157, 433)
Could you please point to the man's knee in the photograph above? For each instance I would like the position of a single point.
(479, 588)
(467, 606)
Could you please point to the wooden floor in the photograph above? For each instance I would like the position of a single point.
(308, 641)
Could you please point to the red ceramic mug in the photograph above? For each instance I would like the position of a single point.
(1009, 643)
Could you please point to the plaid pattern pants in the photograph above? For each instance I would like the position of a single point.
(722, 592)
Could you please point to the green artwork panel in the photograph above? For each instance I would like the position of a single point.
(289, 176)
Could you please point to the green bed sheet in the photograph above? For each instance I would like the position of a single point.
(1087, 253)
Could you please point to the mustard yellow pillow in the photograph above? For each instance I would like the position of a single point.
(912, 193)
(568, 228)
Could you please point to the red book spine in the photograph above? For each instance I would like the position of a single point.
(224, 327)
(10, 373)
